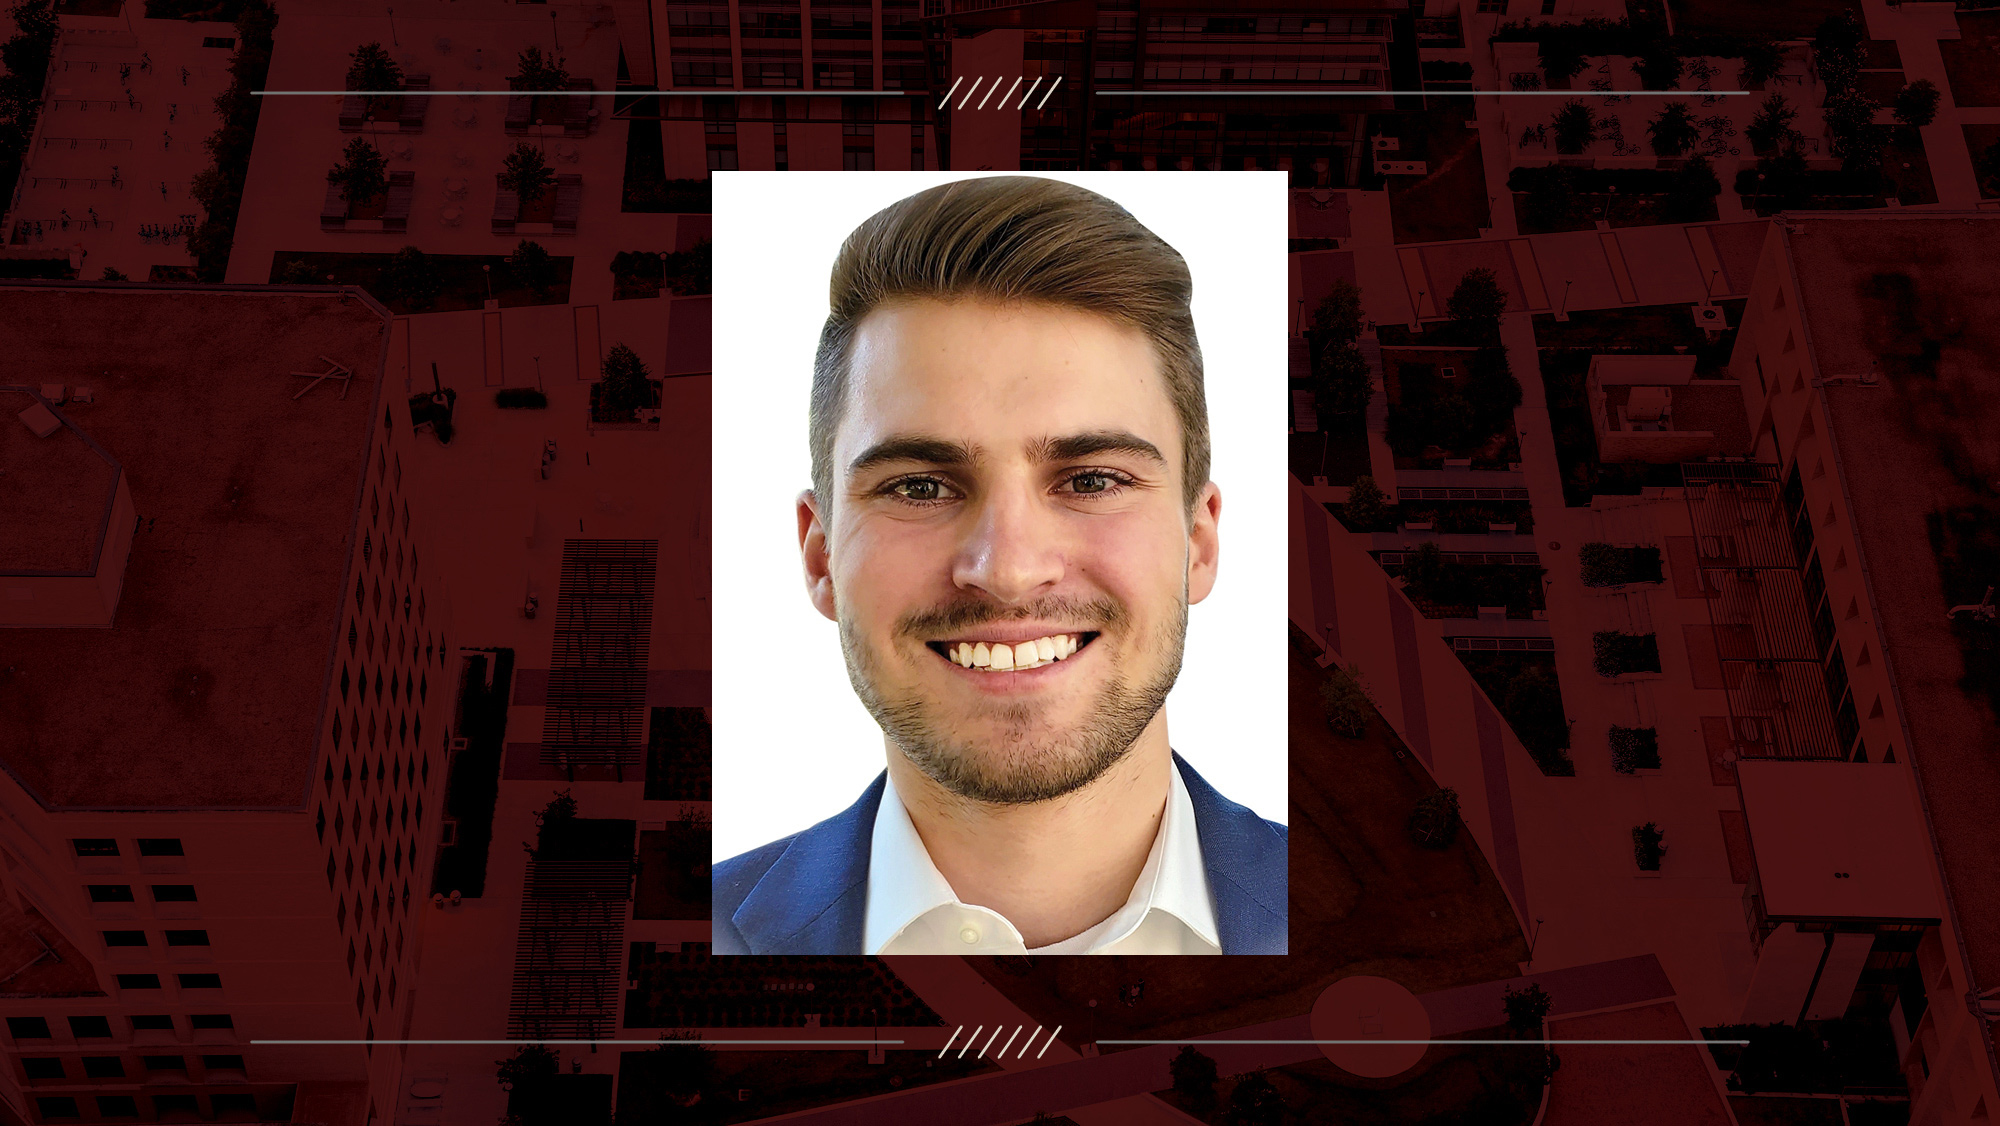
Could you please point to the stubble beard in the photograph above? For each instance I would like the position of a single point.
(1026, 762)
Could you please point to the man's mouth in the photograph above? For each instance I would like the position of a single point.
(1020, 656)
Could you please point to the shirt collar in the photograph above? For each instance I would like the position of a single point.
(904, 884)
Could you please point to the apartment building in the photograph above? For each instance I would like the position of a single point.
(225, 706)
(1848, 560)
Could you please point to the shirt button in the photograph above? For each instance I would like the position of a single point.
(969, 936)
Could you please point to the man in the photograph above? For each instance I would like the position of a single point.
(1010, 515)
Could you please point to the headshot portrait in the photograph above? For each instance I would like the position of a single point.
(998, 596)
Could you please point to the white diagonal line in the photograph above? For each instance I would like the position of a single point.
(968, 1042)
(989, 94)
(1008, 94)
(1029, 94)
(996, 1028)
(1052, 89)
(1030, 1043)
(1059, 1028)
(947, 1043)
(1011, 1038)
(969, 93)
(941, 105)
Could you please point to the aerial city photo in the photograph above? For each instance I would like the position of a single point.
(1641, 544)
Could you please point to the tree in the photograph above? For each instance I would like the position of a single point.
(1648, 847)
(1837, 50)
(530, 1064)
(411, 280)
(1561, 57)
(1576, 128)
(1673, 130)
(1194, 1077)
(534, 267)
(1690, 191)
(1367, 506)
(1338, 315)
(1772, 128)
(1850, 117)
(627, 384)
(298, 271)
(1477, 301)
(1763, 60)
(1342, 382)
(527, 171)
(373, 69)
(1346, 701)
(537, 71)
(1255, 1102)
(685, 1067)
(363, 174)
(1917, 103)
(1659, 66)
(1526, 1010)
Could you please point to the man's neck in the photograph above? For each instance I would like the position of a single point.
(1057, 868)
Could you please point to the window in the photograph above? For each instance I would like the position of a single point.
(160, 846)
(152, 1024)
(187, 938)
(165, 1063)
(104, 1067)
(28, 1028)
(222, 1063)
(117, 1106)
(124, 938)
(212, 1020)
(58, 1106)
(94, 846)
(173, 893)
(164, 1105)
(200, 981)
(138, 981)
(85, 1028)
(234, 1102)
(110, 893)
(42, 1067)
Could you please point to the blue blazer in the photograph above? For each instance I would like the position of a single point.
(808, 893)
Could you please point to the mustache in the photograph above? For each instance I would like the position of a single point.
(1098, 612)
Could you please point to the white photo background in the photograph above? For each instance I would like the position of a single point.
(793, 745)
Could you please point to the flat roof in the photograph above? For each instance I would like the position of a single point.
(1917, 452)
(1837, 840)
(55, 490)
(207, 689)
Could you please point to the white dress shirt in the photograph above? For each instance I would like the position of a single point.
(913, 910)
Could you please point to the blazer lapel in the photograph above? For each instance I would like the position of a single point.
(813, 899)
(1246, 858)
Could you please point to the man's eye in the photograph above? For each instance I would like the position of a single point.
(919, 489)
(1091, 482)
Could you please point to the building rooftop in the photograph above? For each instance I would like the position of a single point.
(1837, 840)
(207, 689)
(1912, 300)
(55, 490)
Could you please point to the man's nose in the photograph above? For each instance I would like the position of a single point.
(1014, 549)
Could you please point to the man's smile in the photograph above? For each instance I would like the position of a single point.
(1018, 656)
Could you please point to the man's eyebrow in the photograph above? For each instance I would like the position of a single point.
(929, 451)
(1073, 446)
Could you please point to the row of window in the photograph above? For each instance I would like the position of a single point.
(108, 846)
(122, 893)
(113, 1067)
(99, 1028)
(174, 938)
(187, 981)
(165, 1107)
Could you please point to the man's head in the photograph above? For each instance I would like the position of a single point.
(1010, 465)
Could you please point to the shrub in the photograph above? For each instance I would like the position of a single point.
(1491, 388)
(1255, 1102)
(1423, 570)
(627, 385)
(111, 274)
(1434, 821)
(1525, 81)
(520, 398)
(371, 68)
(1338, 314)
(1620, 653)
(536, 71)
(1634, 748)
(1694, 189)
(1605, 565)
(527, 171)
(1576, 128)
(534, 267)
(1917, 103)
(1659, 66)
(1772, 127)
(1763, 60)
(410, 279)
(1477, 301)
(362, 174)
(1647, 847)
(529, 1063)
(298, 271)
(1553, 201)
(1194, 1076)
(1673, 130)
(1850, 117)
(1526, 1010)
(219, 188)
(1367, 506)
(1346, 702)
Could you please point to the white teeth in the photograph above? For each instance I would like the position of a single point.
(1017, 657)
(963, 654)
(1045, 648)
(1003, 656)
(981, 656)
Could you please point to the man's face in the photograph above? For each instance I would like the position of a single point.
(1008, 476)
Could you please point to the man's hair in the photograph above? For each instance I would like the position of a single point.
(1012, 239)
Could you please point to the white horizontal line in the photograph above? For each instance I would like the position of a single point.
(649, 1043)
(1437, 93)
(779, 93)
(1701, 1043)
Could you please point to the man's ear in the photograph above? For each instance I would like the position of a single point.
(1204, 547)
(814, 554)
